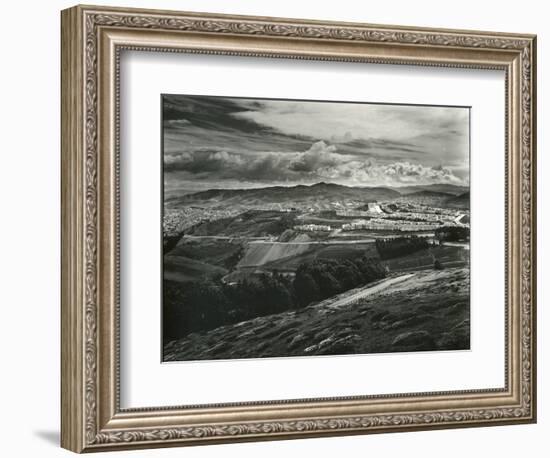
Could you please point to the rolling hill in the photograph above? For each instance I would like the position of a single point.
(252, 223)
(325, 192)
(461, 201)
(438, 199)
(440, 187)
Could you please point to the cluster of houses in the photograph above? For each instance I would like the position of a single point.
(379, 224)
(175, 221)
(313, 228)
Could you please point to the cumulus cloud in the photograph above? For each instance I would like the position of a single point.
(393, 174)
(320, 155)
(319, 162)
(227, 165)
(265, 167)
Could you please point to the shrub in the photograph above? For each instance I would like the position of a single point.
(400, 246)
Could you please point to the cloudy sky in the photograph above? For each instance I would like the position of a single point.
(222, 142)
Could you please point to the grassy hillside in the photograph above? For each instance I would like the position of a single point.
(428, 311)
(217, 252)
(253, 223)
(182, 269)
(192, 260)
(258, 254)
(324, 251)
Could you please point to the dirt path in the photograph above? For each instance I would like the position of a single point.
(360, 293)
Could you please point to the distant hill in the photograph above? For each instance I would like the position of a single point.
(437, 199)
(317, 193)
(461, 201)
(441, 187)
(431, 198)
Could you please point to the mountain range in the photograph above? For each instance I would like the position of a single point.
(430, 194)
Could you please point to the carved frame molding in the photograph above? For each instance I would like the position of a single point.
(91, 417)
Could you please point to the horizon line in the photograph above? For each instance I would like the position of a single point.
(283, 185)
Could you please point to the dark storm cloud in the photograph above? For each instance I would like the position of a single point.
(210, 113)
(194, 123)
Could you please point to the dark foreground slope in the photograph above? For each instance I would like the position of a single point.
(418, 311)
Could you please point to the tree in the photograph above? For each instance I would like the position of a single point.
(452, 233)
(276, 297)
(328, 284)
(305, 288)
(173, 312)
(400, 246)
(206, 304)
(209, 303)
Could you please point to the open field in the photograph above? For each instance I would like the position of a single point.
(182, 269)
(217, 252)
(235, 258)
(311, 252)
(332, 220)
(192, 260)
(422, 311)
(258, 254)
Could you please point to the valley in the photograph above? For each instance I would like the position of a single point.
(369, 250)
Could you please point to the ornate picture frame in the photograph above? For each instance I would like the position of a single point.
(92, 41)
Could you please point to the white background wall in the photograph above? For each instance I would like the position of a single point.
(29, 229)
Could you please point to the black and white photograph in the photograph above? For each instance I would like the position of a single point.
(294, 228)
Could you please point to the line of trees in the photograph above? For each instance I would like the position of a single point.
(400, 246)
(452, 233)
(210, 303)
(324, 278)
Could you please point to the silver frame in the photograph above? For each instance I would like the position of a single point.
(92, 40)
